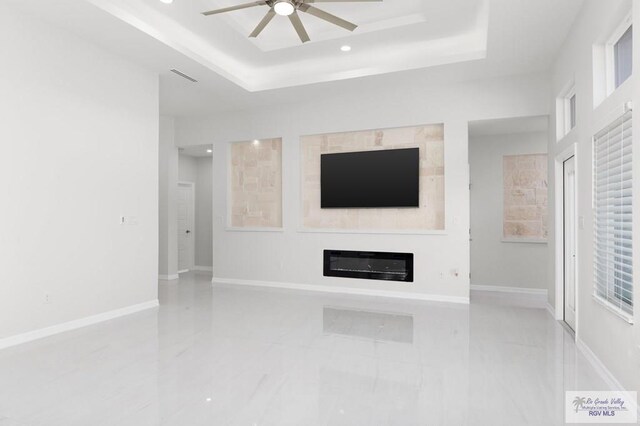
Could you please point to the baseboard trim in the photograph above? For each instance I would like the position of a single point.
(599, 366)
(343, 290)
(516, 290)
(168, 277)
(75, 324)
(551, 310)
(203, 268)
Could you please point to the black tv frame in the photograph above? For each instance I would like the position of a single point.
(413, 203)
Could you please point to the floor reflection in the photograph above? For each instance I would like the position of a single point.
(367, 324)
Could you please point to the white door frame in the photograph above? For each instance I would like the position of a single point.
(570, 151)
(570, 248)
(192, 219)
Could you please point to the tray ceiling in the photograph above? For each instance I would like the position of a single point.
(392, 36)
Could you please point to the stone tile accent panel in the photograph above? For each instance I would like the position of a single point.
(256, 184)
(525, 197)
(430, 214)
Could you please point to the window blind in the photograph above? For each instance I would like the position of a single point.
(613, 203)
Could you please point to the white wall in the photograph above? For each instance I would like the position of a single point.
(168, 216)
(187, 168)
(296, 257)
(80, 148)
(494, 262)
(204, 213)
(613, 341)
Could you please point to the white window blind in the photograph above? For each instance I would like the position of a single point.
(613, 203)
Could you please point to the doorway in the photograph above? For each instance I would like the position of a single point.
(186, 241)
(569, 241)
(195, 219)
(508, 203)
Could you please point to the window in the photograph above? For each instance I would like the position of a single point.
(623, 57)
(613, 56)
(566, 111)
(613, 202)
(572, 111)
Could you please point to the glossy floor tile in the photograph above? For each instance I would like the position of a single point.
(380, 326)
(248, 356)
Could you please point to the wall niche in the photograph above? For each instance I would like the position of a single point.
(256, 184)
(430, 216)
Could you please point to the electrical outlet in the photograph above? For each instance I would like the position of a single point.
(128, 220)
(47, 298)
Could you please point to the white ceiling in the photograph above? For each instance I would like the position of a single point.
(398, 40)
(369, 16)
(507, 126)
(395, 36)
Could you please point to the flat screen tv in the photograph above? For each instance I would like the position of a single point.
(385, 178)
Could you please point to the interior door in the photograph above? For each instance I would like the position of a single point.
(569, 195)
(185, 227)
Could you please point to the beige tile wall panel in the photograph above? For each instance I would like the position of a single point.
(428, 217)
(256, 184)
(525, 197)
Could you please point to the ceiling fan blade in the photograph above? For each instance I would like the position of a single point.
(297, 24)
(267, 18)
(238, 7)
(327, 17)
(340, 1)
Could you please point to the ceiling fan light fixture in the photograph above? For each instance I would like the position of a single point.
(284, 8)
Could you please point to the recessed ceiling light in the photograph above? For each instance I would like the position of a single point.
(284, 8)
(345, 48)
(209, 151)
(167, 1)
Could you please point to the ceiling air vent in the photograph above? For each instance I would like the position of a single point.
(183, 75)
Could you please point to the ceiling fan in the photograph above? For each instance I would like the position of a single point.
(290, 8)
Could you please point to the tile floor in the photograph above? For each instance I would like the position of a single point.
(249, 356)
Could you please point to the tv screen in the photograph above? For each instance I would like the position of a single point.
(386, 178)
